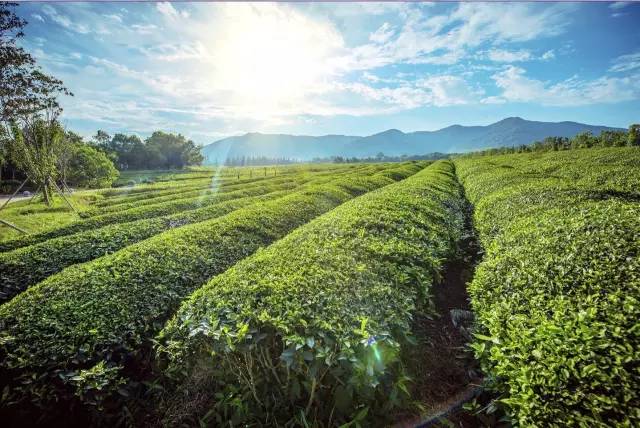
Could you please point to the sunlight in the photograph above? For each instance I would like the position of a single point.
(270, 57)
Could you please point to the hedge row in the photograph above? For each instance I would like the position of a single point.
(312, 325)
(26, 266)
(74, 332)
(181, 194)
(29, 265)
(558, 293)
(148, 211)
(205, 189)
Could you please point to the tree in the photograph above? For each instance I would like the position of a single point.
(176, 149)
(24, 88)
(36, 147)
(89, 167)
(633, 136)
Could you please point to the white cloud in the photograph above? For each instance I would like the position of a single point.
(619, 5)
(144, 28)
(177, 52)
(115, 17)
(548, 55)
(439, 90)
(445, 39)
(64, 20)
(167, 9)
(382, 34)
(626, 62)
(502, 55)
(37, 17)
(517, 87)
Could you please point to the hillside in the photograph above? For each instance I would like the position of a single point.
(456, 138)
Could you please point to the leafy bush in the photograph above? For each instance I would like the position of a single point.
(105, 311)
(89, 167)
(310, 327)
(25, 266)
(132, 214)
(558, 292)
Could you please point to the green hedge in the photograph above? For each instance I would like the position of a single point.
(72, 333)
(26, 266)
(148, 211)
(310, 327)
(558, 292)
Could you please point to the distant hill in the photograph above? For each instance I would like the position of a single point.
(457, 138)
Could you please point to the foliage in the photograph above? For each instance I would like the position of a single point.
(108, 309)
(583, 140)
(35, 149)
(557, 293)
(160, 151)
(134, 213)
(89, 167)
(29, 265)
(24, 88)
(310, 328)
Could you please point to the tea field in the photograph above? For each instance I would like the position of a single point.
(330, 295)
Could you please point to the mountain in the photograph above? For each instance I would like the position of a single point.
(456, 138)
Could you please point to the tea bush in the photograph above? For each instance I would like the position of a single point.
(558, 292)
(98, 317)
(25, 266)
(310, 327)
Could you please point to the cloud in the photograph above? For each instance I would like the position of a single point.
(115, 17)
(517, 87)
(619, 5)
(167, 9)
(445, 39)
(177, 52)
(144, 28)
(548, 55)
(64, 20)
(501, 55)
(382, 34)
(437, 90)
(37, 17)
(626, 62)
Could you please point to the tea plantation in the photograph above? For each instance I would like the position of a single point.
(289, 296)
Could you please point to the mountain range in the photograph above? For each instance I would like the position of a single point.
(452, 139)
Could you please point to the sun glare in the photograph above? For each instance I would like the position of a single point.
(268, 58)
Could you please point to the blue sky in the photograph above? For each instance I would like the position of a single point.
(213, 70)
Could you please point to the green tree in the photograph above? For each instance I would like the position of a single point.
(633, 136)
(24, 88)
(176, 149)
(89, 167)
(35, 148)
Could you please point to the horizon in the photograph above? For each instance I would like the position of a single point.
(211, 71)
(410, 132)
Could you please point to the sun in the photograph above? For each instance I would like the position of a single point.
(269, 58)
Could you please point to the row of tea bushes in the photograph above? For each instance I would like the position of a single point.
(132, 214)
(557, 294)
(310, 328)
(29, 265)
(75, 333)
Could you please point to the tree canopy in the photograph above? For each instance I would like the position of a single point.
(24, 88)
(161, 150)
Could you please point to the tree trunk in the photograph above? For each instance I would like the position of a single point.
(46, 192)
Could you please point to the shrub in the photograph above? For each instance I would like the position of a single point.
(132, 214)
(25, 266)
(89, 167)
(312, 325)
(557, 293)
(105, 311)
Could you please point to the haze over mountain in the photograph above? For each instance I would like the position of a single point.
(456, 138)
